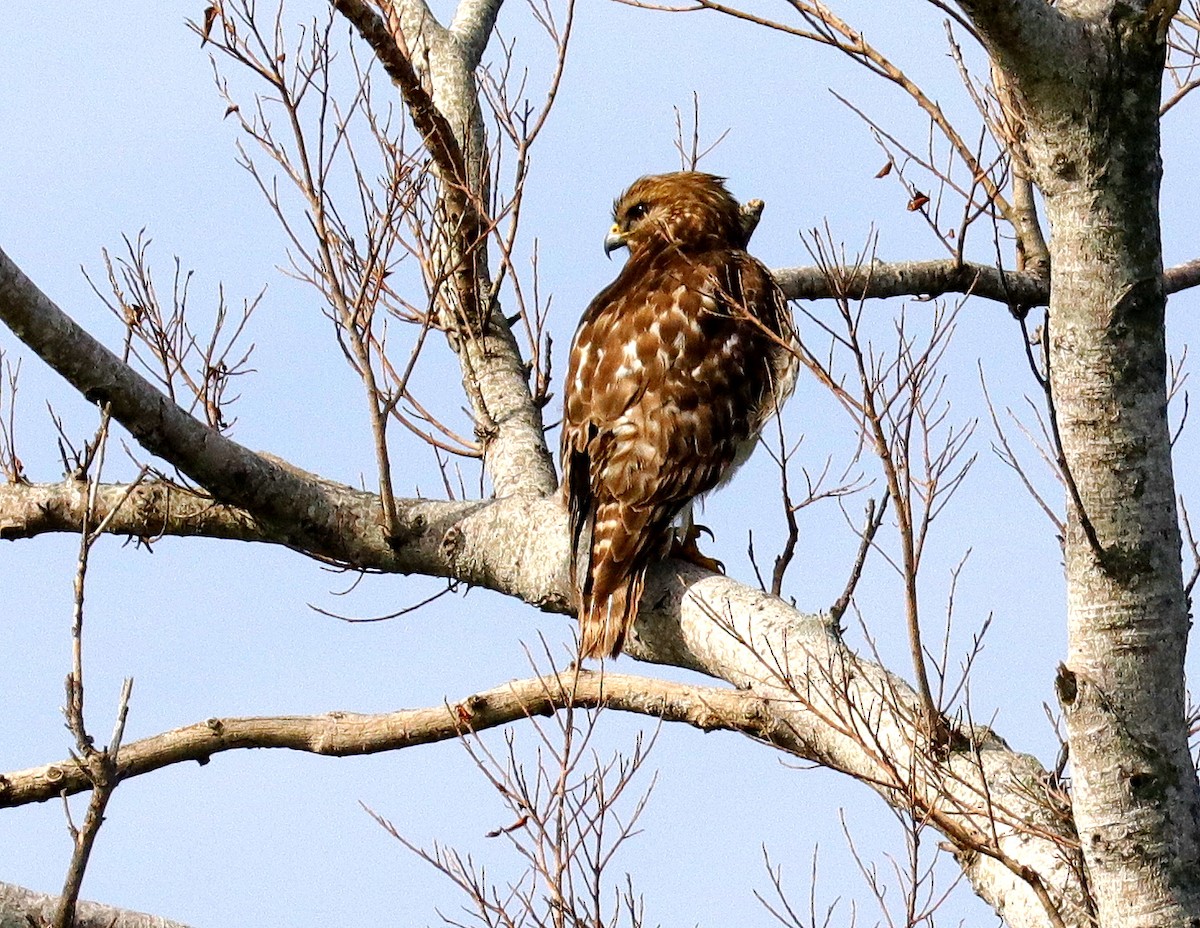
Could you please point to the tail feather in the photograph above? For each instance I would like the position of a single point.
(605, 617)
(613, 544)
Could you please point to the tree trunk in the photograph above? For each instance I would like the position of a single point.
(1094, 145)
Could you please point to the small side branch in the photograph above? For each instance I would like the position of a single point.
(874, 519)
(1060, 456)
(97, 765)
(101, 770)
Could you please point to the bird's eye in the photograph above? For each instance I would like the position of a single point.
(636, 212)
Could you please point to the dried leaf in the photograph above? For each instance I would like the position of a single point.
(211, 13)
(519, 823)
(885, 170)
(918, 200)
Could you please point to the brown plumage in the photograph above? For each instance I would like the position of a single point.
(674, 370)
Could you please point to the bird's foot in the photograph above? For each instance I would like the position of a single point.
(685, 549)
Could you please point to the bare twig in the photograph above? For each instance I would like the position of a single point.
(10, 464)
(566, 820)
(1006, 454)
(1044, 381)
(98, 766)
(101, 770)
(193, 369)
(902, 416)
(866, 538)
(690, 152)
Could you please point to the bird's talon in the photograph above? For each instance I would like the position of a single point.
(686, 549)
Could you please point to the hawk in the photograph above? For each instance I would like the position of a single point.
(674, 370)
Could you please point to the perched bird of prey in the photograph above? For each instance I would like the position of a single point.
(676, 367)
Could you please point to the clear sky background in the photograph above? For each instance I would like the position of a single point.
(113, 125)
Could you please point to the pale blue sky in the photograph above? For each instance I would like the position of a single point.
(112, 126)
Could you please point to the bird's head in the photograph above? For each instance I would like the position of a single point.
(686, 209)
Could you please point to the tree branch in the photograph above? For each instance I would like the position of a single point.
(882, 280)
(808, 694)
(148, 511)
(343, 734)
(473, 23)
(1030, 39)
(436, 131)
(515, 545)
(419, 53)
(20, 908)
(233, 474)
(284, 504)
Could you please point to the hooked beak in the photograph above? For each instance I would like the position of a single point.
(614, 240)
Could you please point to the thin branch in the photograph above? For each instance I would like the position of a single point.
(100, 768)
(866, 538)
(1045, 380)
(97, 765)
(341, 734)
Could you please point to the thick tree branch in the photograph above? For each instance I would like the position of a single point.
(436, 131)
(516, 545)
(232, 473)
(854, 716)
(21, 908)
(434, 72)
(473, 23)
(826, 702)
(391, 47)
(148, 511)
(288, 506)
(883, 280)
(1182, 276)
(1031, 40)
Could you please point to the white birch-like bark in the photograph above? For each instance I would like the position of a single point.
(515, 455)
(19, 905)
(1089, 77)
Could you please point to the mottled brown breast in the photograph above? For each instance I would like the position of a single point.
(674, 367)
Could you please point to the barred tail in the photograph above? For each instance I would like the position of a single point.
(607, 615)
(613, 544)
